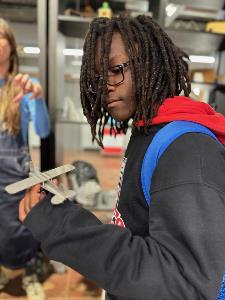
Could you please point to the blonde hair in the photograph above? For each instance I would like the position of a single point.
(9, 111)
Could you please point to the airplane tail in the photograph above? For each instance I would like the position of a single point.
(70, 194)
(57, 200)
(65, 194)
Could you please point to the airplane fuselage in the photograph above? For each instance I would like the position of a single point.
(49, 186)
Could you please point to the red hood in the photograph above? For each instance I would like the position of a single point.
(185, 109)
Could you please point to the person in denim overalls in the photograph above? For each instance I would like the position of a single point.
(21, 100)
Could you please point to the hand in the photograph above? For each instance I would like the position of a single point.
(26, 86)
(31, 198)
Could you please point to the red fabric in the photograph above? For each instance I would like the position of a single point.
(185, 109)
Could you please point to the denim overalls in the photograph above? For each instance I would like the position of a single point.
(17, 246)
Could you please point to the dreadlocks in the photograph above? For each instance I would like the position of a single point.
(158, 70)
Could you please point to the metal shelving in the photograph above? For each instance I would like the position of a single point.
(59, 27)
(73, 26)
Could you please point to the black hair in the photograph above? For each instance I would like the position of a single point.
(159, 70)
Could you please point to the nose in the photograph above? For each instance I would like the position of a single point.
(111, 88)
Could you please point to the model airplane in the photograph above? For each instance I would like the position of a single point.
(45, 178)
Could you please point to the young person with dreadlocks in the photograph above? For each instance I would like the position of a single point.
(174, 248)
(21, 100)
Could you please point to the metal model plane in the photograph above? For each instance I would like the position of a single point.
(45, 178)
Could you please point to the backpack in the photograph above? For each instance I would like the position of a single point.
(164, 137)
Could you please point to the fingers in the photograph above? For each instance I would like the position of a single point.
(21, 80)
(25, 79)
(27, 86)
(36, 91)
(55, 181)
(22, 214)
(42, 195)
(31, 198)
(18, 77)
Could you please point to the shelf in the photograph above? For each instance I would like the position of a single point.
(61, 121)
(74, 26)
(183, 30)
(195, 42)
(77, 27)
(213, 84)
(65, 18)
(203, 83)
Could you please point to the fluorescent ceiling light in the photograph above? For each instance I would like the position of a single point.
(31, 50)
(73, 52)
(202, 59)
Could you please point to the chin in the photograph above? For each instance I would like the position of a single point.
(121, 118)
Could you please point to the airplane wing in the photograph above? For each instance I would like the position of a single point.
(57, 171)
(22, 185)
(37, 178)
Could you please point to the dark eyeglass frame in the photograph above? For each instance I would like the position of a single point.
(119, 67)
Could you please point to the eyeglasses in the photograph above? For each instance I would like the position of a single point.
(115, 77)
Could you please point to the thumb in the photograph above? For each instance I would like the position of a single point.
(22, 214)
(55, 181)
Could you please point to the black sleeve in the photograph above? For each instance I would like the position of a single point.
(182, 258)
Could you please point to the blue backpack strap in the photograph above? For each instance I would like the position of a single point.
(159, 144)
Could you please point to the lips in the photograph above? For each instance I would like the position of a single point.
(110, 101)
